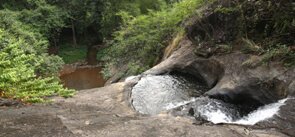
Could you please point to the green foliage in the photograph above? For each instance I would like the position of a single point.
(249, 46)
(102, 53)
(106, 72)
(43, 17)
(135, 68)
(278, 53)
(27, 72)
(10, 23)
(281, 53)
(111, 19)
(98, 18)
(283, 20)
(18, 77)
(226, 10)
(142, 30)
(72, 55)
(270, 25)
(267, 26)
(267, 18)
(141, 39)
(34, 43)
(225, 48)
(83, 13)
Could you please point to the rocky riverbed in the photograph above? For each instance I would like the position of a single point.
(113, 110)
(105, 112)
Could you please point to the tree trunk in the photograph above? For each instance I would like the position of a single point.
(74, 35)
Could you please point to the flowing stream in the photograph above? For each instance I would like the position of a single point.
(155, 94)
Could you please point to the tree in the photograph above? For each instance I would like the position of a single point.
(140, 41)
(27, 72)
(22, 74)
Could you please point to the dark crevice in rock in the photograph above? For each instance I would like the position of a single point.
(194, 78)
(207, 71)
(191, 77)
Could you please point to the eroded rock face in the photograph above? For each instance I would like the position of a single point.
(266, 83)
(229, 78)
(233, 82)
(184, 60)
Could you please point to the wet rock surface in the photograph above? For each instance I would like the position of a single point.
(285, 121)
(235, 83)
(105, 112)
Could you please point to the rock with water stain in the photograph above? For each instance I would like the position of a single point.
(106, 112)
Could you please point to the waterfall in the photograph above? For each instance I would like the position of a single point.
(217, 112)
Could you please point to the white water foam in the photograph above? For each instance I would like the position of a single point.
(261, 114)
(216, 116)
(213, 114)
(176, 105)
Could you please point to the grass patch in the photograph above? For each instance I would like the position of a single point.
(72, 55)
(250, 46)
(279, 53)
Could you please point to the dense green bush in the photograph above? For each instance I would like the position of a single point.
(111, 19)
(36, 43)
(43, 17)
(18, 68)
(141, 39)
(27, 72)
(269, 29)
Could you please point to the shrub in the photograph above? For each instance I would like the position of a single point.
(27, 72)
(249, 46)
(281, 53)
(141, 39)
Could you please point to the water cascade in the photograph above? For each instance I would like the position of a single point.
(155, 94)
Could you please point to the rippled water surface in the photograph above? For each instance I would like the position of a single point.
(154, 94)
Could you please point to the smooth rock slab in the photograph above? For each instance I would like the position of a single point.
(104, 112)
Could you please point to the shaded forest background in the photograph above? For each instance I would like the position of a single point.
(38, 36)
